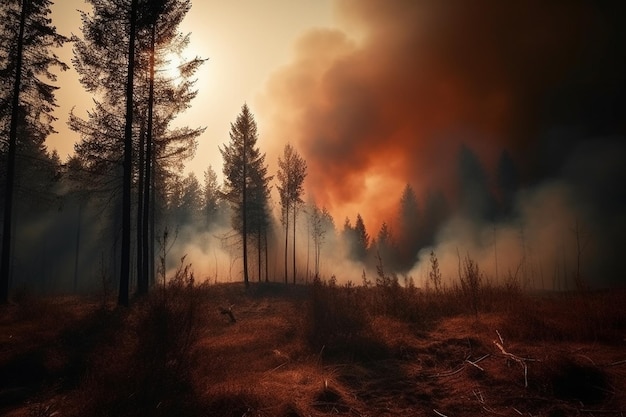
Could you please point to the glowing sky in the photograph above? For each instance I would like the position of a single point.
(245, 40)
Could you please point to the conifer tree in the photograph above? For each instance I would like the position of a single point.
(27, 97)
(291, 175)
(244, 172)
(141, 123)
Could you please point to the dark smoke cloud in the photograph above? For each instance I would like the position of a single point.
(390, 97)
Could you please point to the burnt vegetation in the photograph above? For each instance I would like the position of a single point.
(319, 349)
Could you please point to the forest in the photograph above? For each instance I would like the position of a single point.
(484, 278)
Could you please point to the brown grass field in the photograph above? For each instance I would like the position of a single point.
(316, 350)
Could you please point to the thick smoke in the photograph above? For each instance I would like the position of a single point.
(390, 99)
(393, 95)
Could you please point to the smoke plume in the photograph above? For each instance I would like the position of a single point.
(389, 97)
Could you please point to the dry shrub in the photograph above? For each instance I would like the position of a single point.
(471, 279)
(338, 322)
(145, 369)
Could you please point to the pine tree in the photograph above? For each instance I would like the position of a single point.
(141, 123)
(409, 238)
(362, 239)
(26, 94)
(321, 225)
(244, 168)
(291, 175)
(210, 197)
(476, 200)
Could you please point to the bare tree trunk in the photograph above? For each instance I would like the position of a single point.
(294, 242)
(266, 257)
(77, 248)
(128, 162)
(10, 180)
(286, 239)
(245, 212)
(140, 208)
(144, 280)
(258, 252)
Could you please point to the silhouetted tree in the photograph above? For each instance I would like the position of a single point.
(191, 200)
(385, 246)
(476, 201)
(26, 93)
(259, 211)
(508, 183)
(321, 225)
(150, 30)
(436, 212)
(210, 196)
(291, 175)
(362, 239)
(243, 163)
(409, 228)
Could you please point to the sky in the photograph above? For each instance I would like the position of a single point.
(244, 40)
(377, 94)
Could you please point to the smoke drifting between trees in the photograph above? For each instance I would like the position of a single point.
(550, 222)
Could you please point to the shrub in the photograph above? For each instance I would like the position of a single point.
(471, 280)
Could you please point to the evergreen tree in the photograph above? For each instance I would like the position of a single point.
(436, 212)
(362, 239)
(27, 97)
(476, 201)
(142, 122)
(190, 200)
(259, 212)
(291, 175)
(409, 226)
(210, 197)
(244, 167)
(322, 224)
(384, 244)
(508, 183)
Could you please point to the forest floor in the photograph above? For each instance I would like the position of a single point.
(315, 351)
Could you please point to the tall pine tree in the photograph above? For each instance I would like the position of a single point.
(142, 123)
(291, 175)
(244, 169)
(27, 98)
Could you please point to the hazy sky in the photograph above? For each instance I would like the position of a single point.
(245, 41)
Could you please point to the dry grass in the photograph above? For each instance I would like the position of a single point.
(316, 351)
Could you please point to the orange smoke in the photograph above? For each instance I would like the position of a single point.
(388, 99)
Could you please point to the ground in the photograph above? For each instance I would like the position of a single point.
(314, 351)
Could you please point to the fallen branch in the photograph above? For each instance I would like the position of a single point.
(439, 414)
(518, 359)
(616, 363)
(475, 363)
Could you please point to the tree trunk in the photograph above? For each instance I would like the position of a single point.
(245, 211)
(286, 239)
(140, 210)
(144, 280)
(258, 251)
(266, 265)
(77, 248)
(10, 180)
(151, 217)
(128, 162)
(294, 242)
